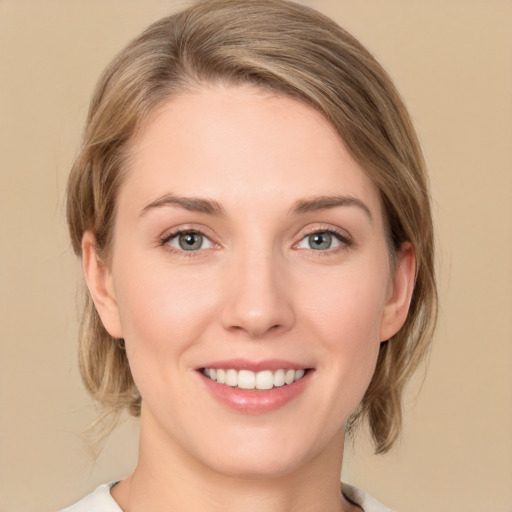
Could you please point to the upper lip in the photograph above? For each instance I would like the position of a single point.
(255, 366)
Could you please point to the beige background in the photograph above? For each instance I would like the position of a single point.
(452, 60)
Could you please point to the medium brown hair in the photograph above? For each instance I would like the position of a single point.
(291, 50)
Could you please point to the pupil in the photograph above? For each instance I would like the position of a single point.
(320, 241)
(190, 241)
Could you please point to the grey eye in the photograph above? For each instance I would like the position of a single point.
(190, 241)
(320, 241)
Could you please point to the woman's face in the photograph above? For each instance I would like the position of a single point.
(248, 242)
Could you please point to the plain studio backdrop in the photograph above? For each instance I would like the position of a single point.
(452, 62)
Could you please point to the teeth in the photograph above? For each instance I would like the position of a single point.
(231, 378)
(245, 379)
(264, 380)
(279, 378)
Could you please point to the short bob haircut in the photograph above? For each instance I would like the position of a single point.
(290, 50)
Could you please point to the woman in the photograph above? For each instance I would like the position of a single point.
(251, 208)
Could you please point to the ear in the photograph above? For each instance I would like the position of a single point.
(399, 298)
(101, 287)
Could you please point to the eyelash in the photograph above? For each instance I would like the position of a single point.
(345, 241)
(164, 241)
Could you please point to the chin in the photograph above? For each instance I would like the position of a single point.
(260, 467)
(271, 455)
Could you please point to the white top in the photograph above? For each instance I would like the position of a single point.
(101, 500)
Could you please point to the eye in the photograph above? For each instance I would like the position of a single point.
(189, 241)
(320, 241)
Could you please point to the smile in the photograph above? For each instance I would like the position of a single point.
(249, 380)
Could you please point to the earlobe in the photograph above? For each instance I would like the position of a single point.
(397, 307)
(99, 282)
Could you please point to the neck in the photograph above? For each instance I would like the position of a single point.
(167, 478)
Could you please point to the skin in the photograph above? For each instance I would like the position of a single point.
(256, 289)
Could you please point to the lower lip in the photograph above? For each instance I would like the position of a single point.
(254, 401)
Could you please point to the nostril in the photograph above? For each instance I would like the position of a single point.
(258, 307)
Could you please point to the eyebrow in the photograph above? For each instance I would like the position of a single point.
(193, 204)
(319, 203)
(208, 206)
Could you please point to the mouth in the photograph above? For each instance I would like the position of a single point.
(248, 380)
(255, 387)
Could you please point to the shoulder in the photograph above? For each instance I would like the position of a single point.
(101, 500)
(98, 501)
(362, 499)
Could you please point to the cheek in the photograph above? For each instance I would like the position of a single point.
(346, 316)
(162, 311)
(348, 308)
(163, 315)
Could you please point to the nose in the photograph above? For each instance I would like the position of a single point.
(258, 300)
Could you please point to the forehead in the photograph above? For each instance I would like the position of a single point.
(240, 143)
